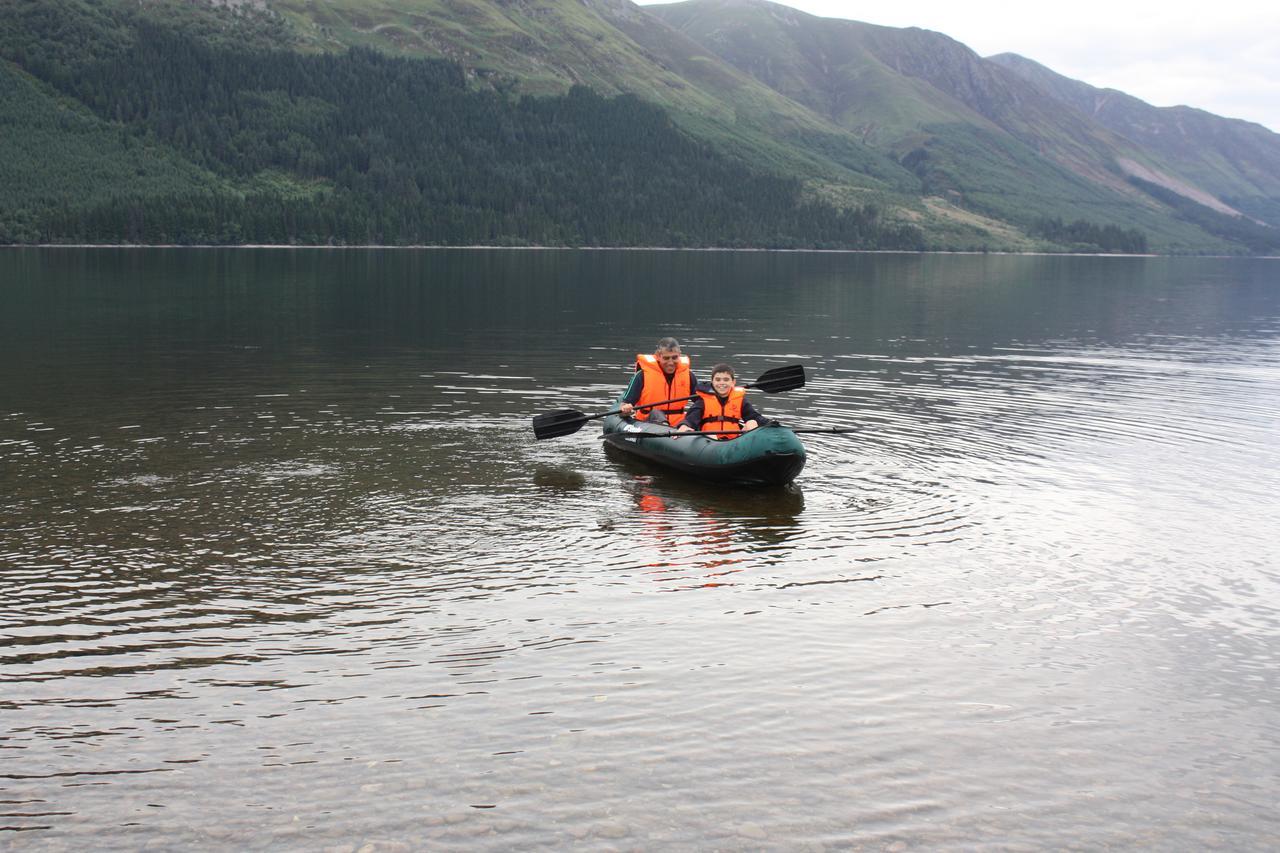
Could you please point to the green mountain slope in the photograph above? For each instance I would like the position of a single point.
(1217, 159)
(362, 147)
(972, 130)
(612, 46)
(709, 122)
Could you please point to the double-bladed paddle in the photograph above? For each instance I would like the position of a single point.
(568, 421)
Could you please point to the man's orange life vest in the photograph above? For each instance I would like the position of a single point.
(658, 386)
(717, 418)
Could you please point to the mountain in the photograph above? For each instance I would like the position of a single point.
(611, 46)
(976, 131)
(176, 122)
(614, 46)
(1228, 164)
(596, 122)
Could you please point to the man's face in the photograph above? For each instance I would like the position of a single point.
(722, 382)
(668, 359)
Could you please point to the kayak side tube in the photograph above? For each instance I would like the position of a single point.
(769, 455)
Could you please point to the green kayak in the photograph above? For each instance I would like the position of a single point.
(768, 456)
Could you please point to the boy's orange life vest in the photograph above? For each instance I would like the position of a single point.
(717, 418)
(657, 388)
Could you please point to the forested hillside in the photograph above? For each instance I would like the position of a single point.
(728, 123)
(220, 136)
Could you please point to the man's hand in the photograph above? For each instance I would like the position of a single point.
(626, 409)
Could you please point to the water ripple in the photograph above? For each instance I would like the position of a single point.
(338, 593)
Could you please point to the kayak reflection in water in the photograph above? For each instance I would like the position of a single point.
(721, 407)
(665, 377)
(712, 543)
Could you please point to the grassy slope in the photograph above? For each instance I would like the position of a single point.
(409, 151)
(987, 139)
(1230, 158)
(545, 46)
(962, 157)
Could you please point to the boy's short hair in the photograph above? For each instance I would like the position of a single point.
(723, 368)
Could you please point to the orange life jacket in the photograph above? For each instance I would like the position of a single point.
(717, 418)
(658, 386)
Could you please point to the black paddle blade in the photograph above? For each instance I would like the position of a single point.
(558, 423)
(780, 379)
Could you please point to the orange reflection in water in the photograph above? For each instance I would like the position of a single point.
(710, 538)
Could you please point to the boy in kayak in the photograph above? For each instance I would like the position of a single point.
(722, 407)
(665, 375)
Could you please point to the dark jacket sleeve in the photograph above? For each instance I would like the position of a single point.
(750, 413)
(693, 414)
(633, 390)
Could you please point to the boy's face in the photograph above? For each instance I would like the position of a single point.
(722, 382)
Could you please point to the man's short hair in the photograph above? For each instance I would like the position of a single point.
(667, 344)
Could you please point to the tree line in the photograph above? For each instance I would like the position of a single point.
(1091, 236)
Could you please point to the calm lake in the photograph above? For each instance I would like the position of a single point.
(282, 565)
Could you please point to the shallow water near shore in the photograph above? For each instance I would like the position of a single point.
(282, 565)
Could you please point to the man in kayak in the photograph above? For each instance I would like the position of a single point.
(722, 407)
(665, 375)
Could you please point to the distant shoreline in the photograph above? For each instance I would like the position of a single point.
(429, 247)
(425, 247)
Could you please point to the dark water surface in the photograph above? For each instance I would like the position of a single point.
(281, 565)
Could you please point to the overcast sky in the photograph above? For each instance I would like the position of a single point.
(1221, 56)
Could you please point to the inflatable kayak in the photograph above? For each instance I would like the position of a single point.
(768, 456)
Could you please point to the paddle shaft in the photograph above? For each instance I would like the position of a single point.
(649, 406)
(646, 407)
(678, 433)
